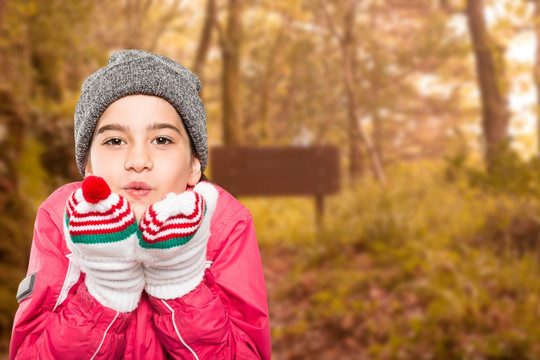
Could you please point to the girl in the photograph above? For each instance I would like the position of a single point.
(143, 259)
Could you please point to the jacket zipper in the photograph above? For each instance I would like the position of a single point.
(178, 332)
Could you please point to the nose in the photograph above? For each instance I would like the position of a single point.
(138, 159)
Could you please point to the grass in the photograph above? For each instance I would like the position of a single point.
(426, 268)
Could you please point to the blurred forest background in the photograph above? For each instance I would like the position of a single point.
(431, 248)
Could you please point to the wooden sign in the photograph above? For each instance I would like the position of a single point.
(276, 171)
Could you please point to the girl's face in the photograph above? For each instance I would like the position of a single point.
(142, 150)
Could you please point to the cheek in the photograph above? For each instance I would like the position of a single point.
(101, 165)
(89, 169)
(176, 177)
(179, 162)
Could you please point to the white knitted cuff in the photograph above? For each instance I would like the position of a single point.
(171, 282)
(174, 289)
(121, 293)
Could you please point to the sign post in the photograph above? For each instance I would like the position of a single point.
(278, 171)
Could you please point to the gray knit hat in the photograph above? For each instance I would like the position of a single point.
(131, 72)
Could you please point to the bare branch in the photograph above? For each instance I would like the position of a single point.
(206, 37)
(163, 23)
(146, 6)
(349, 18)
(330, 21)
(221, 33)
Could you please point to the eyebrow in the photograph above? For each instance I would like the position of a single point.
(122, 128)
(160, 126)
(111, 127)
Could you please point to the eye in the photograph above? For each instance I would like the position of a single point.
(162, 140)
(114, 142)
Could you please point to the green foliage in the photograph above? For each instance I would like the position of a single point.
(509, 173)
(33, 178)
(424, 269)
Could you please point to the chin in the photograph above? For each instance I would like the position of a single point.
(139, 212)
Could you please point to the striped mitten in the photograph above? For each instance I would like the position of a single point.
(174, 233)
(101, 232)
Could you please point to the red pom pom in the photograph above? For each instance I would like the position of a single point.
(95, 189)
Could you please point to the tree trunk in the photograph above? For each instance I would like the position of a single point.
(206, 39)
(3, 6)
(264, 134)
(373, 92)
(537, 68)
(356, 131)
(489, 60)
(230, 48)
(160, 26)
(132, 35)
(378, 136)
(138, 32)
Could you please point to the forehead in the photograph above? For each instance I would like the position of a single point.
(139, 111)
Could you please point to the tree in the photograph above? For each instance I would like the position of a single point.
(490, 72)
(536, 71)
(230, 41)
(206, 38)
(357, 134)
(137, 23)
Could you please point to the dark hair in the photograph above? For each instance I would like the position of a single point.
(194, 154)
(205, 178)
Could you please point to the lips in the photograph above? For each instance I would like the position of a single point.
(137, 190)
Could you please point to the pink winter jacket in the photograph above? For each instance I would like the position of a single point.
(225, 317)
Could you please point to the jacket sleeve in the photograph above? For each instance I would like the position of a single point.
(80, 327)
(226, 316)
